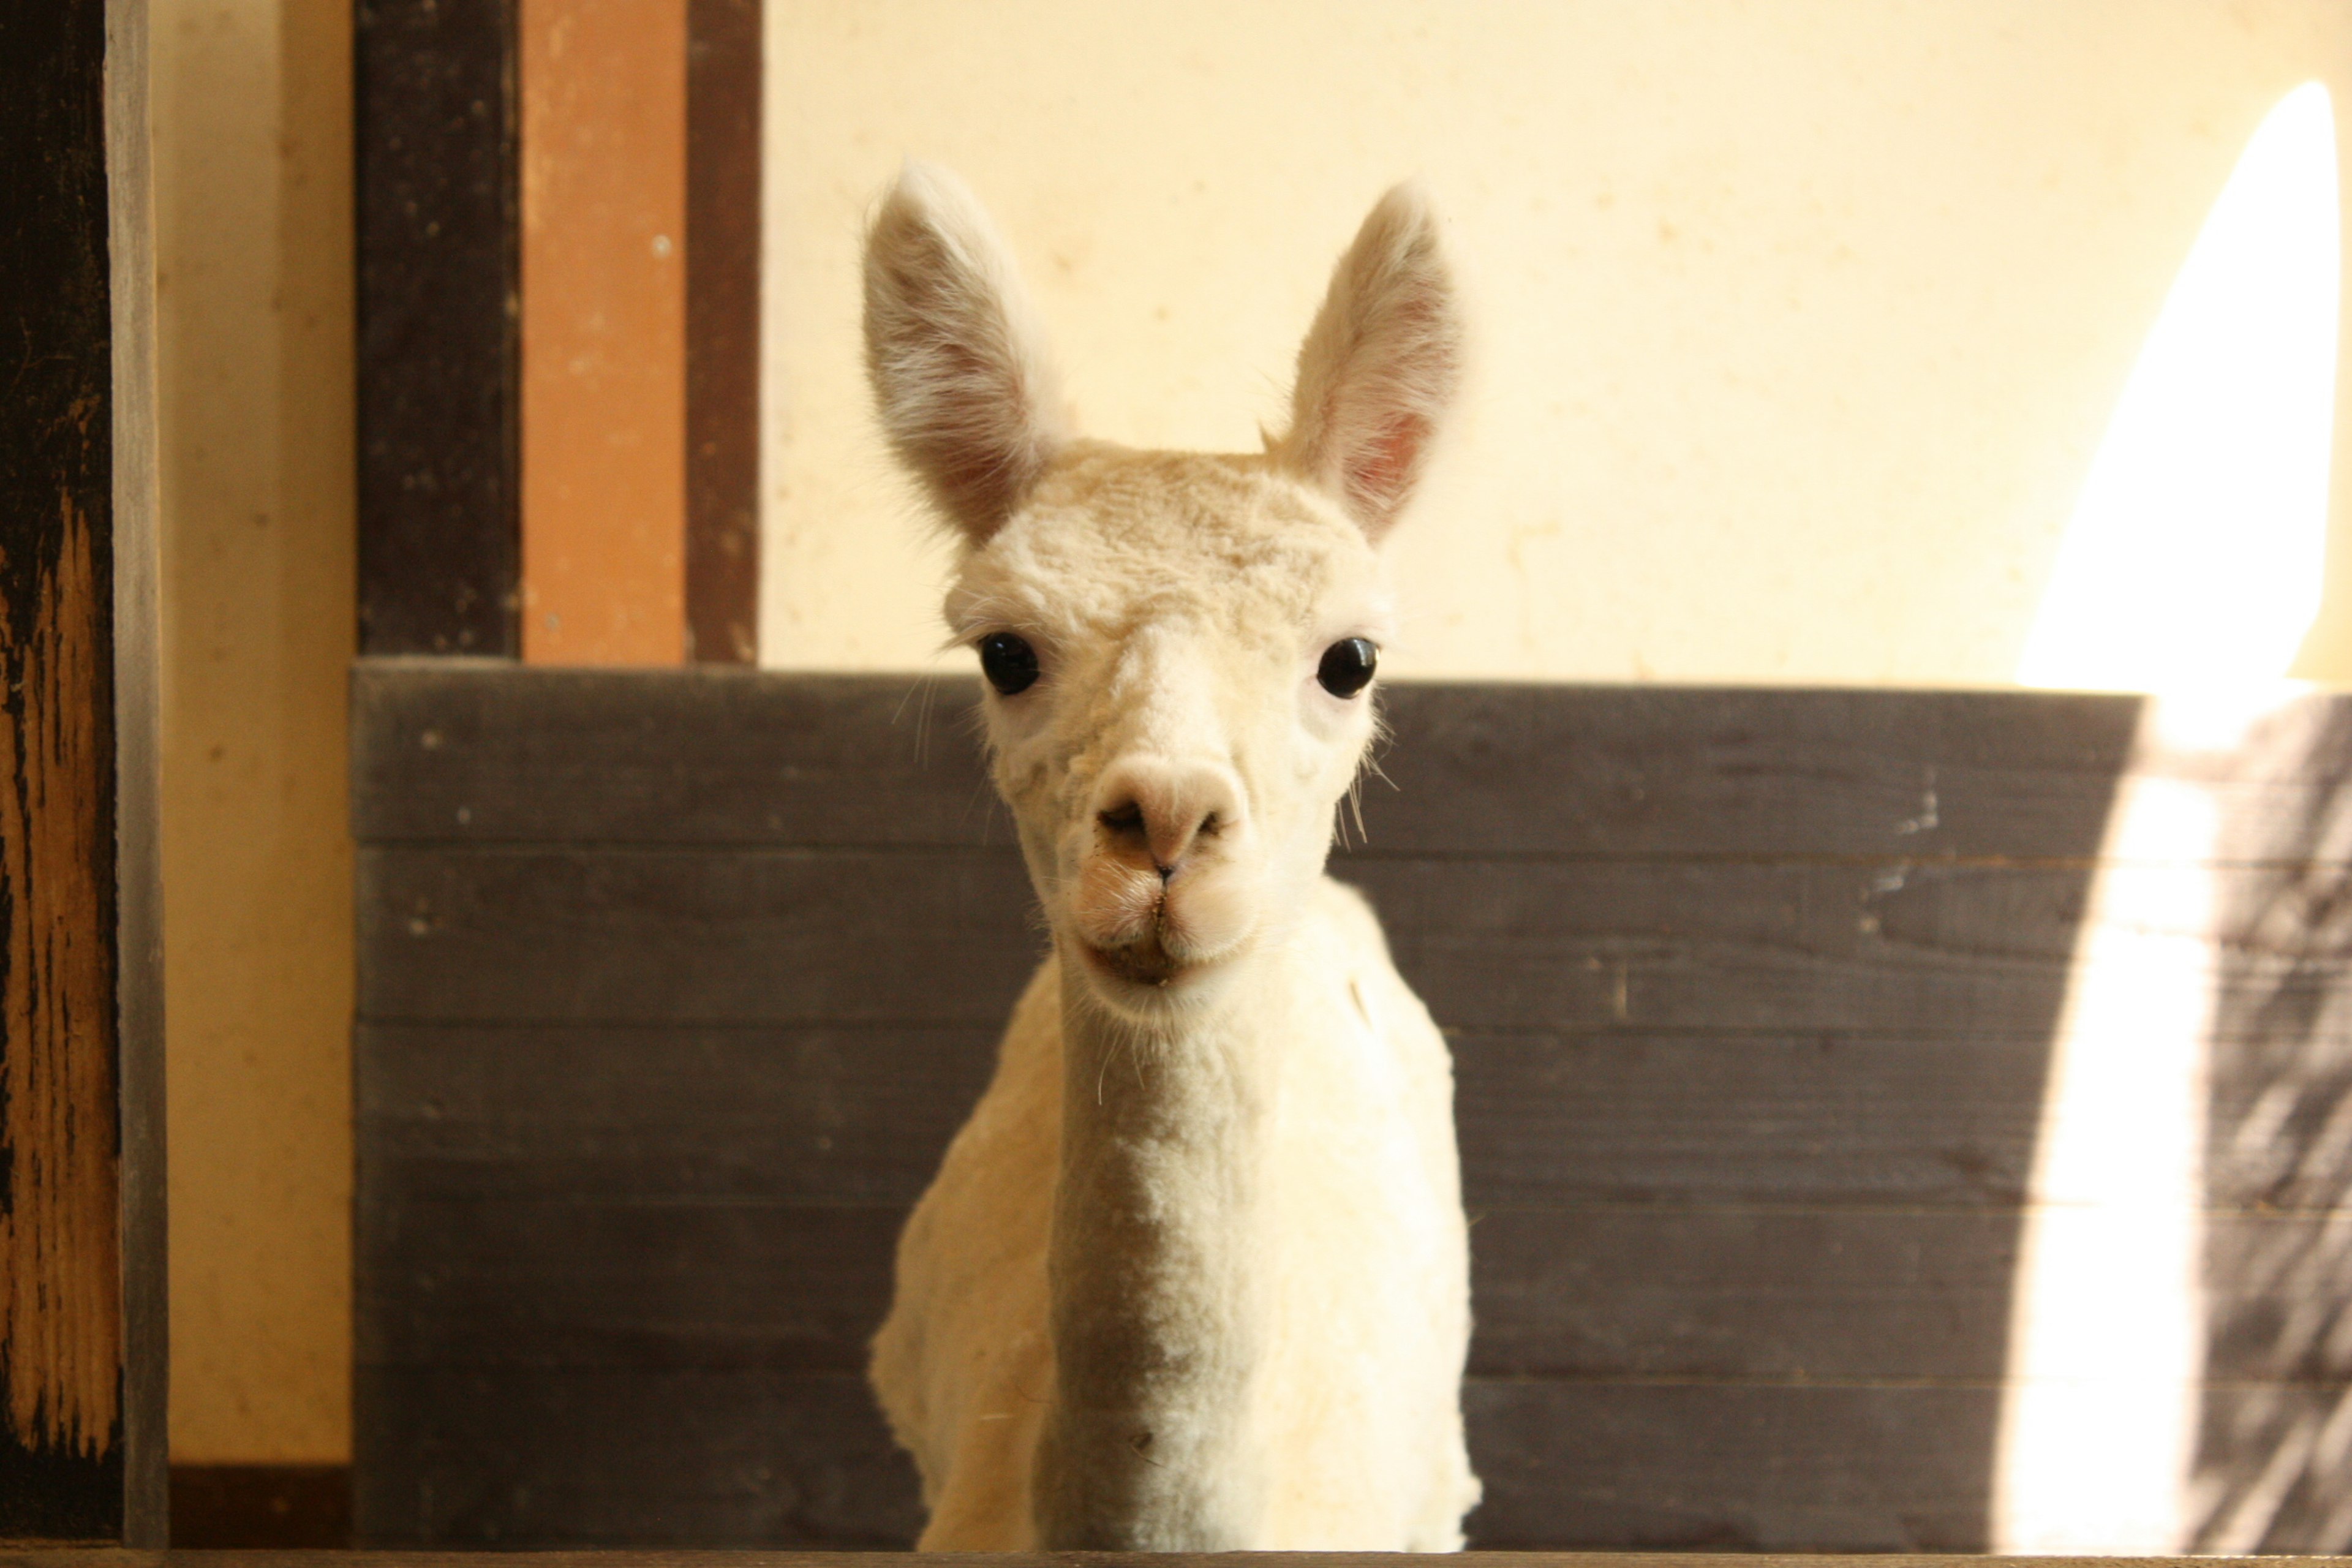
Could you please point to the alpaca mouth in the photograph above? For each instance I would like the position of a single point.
(1144, 963)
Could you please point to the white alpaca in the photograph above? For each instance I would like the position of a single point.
(1194, 1276)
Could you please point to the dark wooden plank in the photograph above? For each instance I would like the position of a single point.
(62, 1454)
(722, 330)
(488, 755)
(832, 1114)
(860, 1115)
(739, 936)
(2268, 1475)
(1731, 1467)
(1918, 1295)
(856, 1115)
(1964, 950)
(434, 123)
(1518, 769)
(782, 936)
(483, 1458)
(1584, 1293)
(529, 1457)
(770, 1286)
(1643, 1116)
(1474, 769)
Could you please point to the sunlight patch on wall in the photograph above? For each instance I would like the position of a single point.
(2191, 567)
(2194, 552)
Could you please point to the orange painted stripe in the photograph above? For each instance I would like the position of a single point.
(603, 140)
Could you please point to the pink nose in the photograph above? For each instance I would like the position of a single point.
(1153, 810)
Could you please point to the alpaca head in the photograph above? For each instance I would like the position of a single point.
(1178, 646)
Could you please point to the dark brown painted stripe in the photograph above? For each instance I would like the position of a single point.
(434, 120)
(722, 330)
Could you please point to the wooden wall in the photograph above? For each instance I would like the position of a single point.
(674, 986)
(80, 1264)
(559, 327)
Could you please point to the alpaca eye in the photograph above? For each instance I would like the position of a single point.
(1010, 663)
(1346, 666)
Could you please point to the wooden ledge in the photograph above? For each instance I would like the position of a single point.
(111, 1557)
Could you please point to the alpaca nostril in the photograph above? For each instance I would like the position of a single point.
(1152, 813)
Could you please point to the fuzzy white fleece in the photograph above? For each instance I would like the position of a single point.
(1195, 1275)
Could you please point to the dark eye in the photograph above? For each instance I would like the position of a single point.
(1010, 664)
(1346, 666)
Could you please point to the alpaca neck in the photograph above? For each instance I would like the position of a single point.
(1158, 1266)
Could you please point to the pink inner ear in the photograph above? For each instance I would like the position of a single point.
(1377, 479)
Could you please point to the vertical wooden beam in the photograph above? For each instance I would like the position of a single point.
(433, 127)
(80, 1423)
(603, 331)
(138, 773)
(722, 330)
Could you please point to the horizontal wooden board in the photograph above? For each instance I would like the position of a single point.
(1918, 1295)
(1958, 950)
(484, 754)
(1731, 1467)
(947, 937)
(841, 1114)
(463, 1456)
(466, 1458)
(920, 936)
(829, 1113)
(860, 1115)
(454, 753)
(689, 1285)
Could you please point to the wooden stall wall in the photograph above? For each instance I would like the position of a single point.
(81, 1266)
(673, 988)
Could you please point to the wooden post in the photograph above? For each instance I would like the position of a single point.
(439, 384)
(559, 243)
(81, 1268)
(722, 330)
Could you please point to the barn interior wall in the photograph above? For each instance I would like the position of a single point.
(1755, 285)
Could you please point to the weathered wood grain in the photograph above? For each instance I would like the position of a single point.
(775, 935)
(511, 1458)
(924, 937)
(834, 1113)
(1611, 772)
(62, 1459)
(676, 987)
(516, 1458)
(1587, 1292)
(445, 753)
(1721, 1466)
(860, 1114)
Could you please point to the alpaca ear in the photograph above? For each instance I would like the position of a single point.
(1379, 368)
(966, 394)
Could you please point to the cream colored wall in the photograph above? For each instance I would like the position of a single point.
(252, 236)
(1799, 321)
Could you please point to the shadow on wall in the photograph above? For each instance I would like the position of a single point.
(2275, 1435)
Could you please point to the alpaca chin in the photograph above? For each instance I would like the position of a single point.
(1149, 945)
(1158, 975)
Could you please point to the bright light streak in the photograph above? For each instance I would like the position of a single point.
(2107, 1337)
(2194, 552)
(2191, 567)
